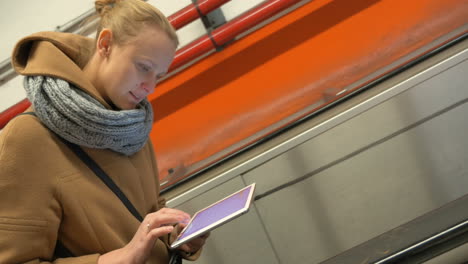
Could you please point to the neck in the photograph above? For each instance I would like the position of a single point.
(91, 71)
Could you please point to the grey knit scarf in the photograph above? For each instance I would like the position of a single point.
(77, 117)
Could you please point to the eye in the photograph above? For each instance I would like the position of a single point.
(160, 76)
(143, 67)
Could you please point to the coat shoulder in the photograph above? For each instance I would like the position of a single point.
(29, 151)
(25, 134)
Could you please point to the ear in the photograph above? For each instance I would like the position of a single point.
(104, 42)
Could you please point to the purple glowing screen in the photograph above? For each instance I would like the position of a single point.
(222, 209)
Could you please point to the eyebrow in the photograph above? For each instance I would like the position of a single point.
(142, 57)
(152, 63)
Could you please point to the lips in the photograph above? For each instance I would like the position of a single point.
(137, 97)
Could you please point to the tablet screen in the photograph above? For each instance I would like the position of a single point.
(217, 214)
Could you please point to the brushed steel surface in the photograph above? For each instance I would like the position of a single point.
(417, 241)
(370, 193)
(454, 256)
(243, 240)
(421, 243)
(400, 159)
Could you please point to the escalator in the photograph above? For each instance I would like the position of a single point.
(380, 177)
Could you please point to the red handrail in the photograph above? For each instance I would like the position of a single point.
(229, 31)
(13, 111)
(220, 36)
(190, 12)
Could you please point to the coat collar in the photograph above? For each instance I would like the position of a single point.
(56, 54)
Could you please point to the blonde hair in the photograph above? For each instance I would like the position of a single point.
(127, 17)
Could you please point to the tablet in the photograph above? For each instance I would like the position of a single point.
(216, 215)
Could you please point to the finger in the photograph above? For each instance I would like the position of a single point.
(171, 211)
(185, 248)
(167, 213)
(182, 225)
(143, 241)
(182, 217)
(164, 219)
(206, 235)
(193, 245)
(197, 243)
(158, 232)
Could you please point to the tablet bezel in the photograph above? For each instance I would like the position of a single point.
(178, 242)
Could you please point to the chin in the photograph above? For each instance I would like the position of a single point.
(124, 106)
(128, 107)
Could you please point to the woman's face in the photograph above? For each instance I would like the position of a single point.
(130, 72)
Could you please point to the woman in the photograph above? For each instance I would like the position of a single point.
(92, 94)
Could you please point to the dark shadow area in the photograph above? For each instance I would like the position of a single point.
(262, 51)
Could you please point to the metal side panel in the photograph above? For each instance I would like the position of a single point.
(370, 193)
(399, 160)
(242, 240)
(455, 256)
(412, 100)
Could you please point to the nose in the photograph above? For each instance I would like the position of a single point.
(148, 87)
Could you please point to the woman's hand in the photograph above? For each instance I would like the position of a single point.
(154, 225)
(193, 245)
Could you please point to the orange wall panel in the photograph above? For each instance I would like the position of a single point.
(284, 67)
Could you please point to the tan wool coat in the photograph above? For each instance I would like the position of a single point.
(47, 193)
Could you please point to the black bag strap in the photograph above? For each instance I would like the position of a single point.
(175, 258)
(60, 249)
(92, 165)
